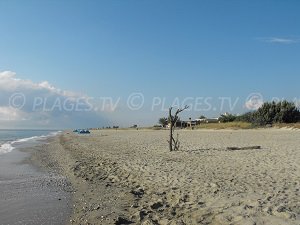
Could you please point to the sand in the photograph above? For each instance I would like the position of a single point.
(130, 177)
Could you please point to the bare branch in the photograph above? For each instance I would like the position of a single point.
(174, 144)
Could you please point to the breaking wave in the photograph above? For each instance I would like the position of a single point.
(9, 146)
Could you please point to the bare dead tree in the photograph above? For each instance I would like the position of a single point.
(174, 144)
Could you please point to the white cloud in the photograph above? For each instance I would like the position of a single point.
(43, 105)
(11, 114)
(6, 75)
(9, 82)
(279, 40)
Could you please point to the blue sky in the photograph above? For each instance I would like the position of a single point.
(114, 48)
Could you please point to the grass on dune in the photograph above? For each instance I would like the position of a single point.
(288, 125)
(229, 125)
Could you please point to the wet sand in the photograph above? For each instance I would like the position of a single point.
(29, 196)
(130, 177)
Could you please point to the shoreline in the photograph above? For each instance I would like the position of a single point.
(129, 177)
(29, 195)
(56, 157)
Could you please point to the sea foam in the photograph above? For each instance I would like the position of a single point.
(5, 148)
(8, 146)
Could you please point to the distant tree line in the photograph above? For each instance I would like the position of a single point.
(163, 121)
(268, 113)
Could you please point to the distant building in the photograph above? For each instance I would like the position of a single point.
(193, 123)
(179, 124)
(213, 120)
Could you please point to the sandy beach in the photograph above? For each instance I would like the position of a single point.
(130, 177)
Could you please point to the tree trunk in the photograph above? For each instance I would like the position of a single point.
(171, 130)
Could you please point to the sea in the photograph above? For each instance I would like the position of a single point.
(11, 139)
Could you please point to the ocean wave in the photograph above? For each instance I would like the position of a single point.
(5, 148)
(8, 146)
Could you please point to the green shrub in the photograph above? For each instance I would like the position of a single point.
(246, 117)
(272, 112)
(163, 121)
